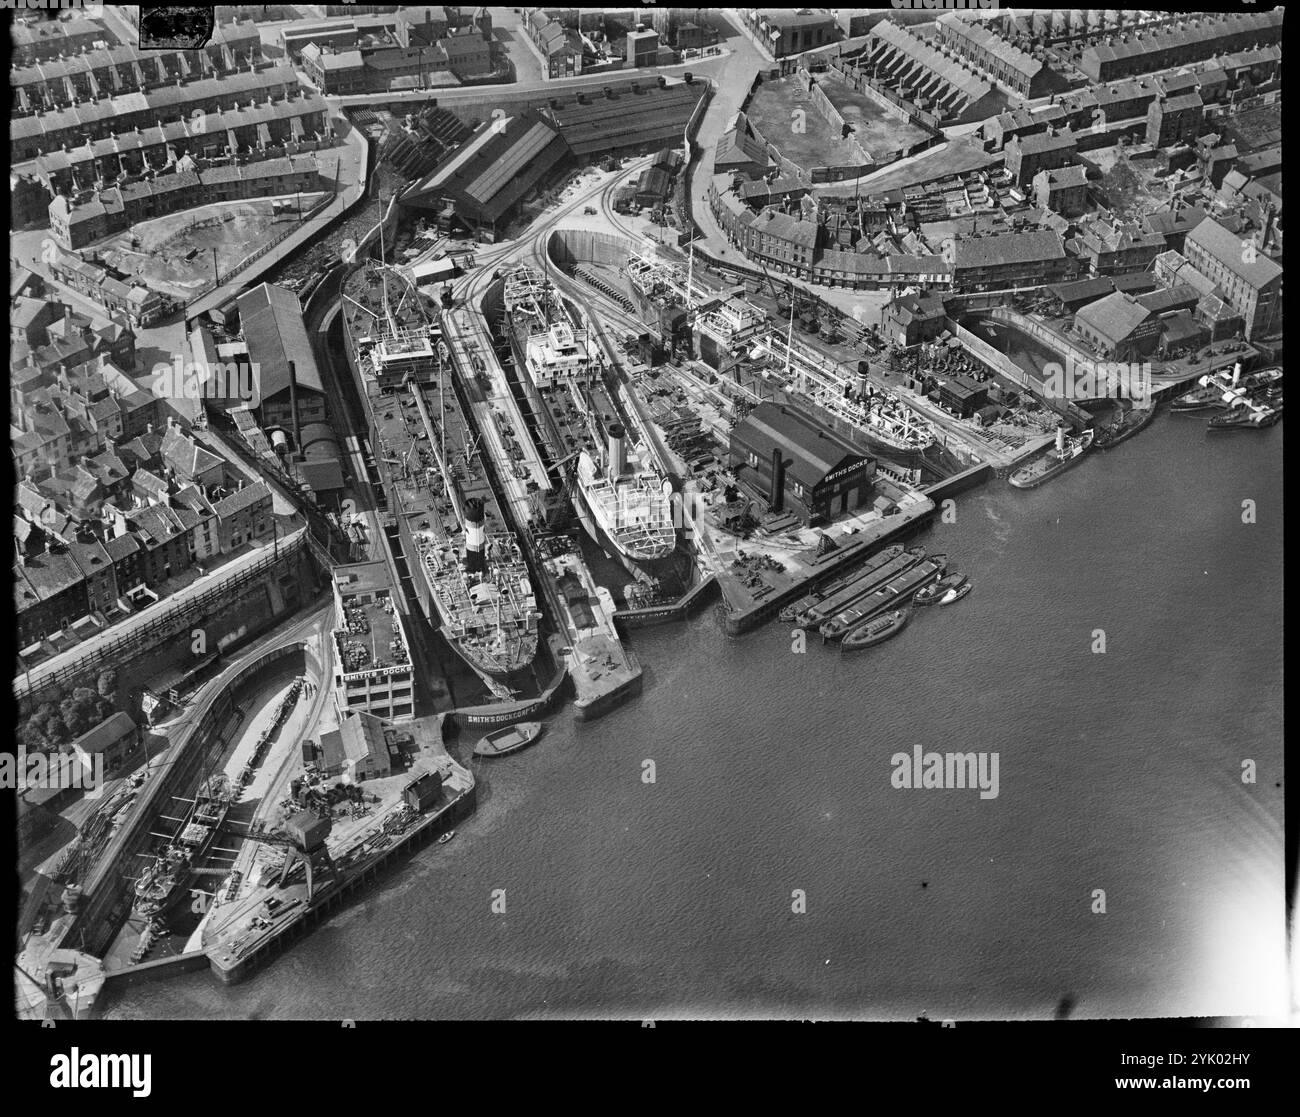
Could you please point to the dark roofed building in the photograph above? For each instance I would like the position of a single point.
(1082, 291)
(1198, 39)
(490, 173)
(274, 331)
(49, 587)
(739, 150)
(961, 396)
(1251, 281)
(638, 117)
(1025, 259)
(912, 319)
(1040, 151)
(654, 187)
(116, 739)
(790, 458)
(1119, 327)
(1175, 119)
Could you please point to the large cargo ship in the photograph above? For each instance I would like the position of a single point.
(621, 499)
(1068, 451)
(472, 580)
(164, 881)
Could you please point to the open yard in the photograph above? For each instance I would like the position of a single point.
(878, 130)
(783, 112)
(173, 254)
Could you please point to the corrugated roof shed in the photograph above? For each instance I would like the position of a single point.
(275, 333)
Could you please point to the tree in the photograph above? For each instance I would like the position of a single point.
(107, 682)
(55, 729)
(32, 737)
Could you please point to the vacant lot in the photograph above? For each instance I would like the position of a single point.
(783, 112)
(876, 129)
(173, 254)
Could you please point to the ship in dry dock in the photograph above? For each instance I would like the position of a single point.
(165, 879)
(622, 501)
(473, 581)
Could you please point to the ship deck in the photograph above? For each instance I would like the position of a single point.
(415, 426)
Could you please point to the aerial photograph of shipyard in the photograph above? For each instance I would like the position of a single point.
(647, 513)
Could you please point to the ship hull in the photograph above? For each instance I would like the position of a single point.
(660, 567)
(180, 889)
(1022, 480)
(884, 448)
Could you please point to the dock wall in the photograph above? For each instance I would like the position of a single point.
(960, 482)
(745, 620)
(146, 972)
(677, 610)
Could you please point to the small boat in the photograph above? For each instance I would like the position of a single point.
(1245, 417)
(957, 594)
(934, 592)
(876, 631)
(447, 837)
(510, 739)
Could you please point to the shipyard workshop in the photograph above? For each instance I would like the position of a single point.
(787, 458)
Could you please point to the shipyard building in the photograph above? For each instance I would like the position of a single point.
(373, 673)
(787, 457)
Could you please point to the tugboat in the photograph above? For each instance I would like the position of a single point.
(934, 592)
(876, 631)
(1067, 452)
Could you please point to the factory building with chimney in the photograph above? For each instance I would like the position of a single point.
(287, 389)
(785, 456)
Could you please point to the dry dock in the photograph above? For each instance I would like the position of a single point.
(603, 672)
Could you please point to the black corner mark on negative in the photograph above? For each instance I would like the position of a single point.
(175, 26)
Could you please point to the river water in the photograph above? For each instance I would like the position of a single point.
(1120, 787)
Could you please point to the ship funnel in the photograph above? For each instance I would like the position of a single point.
(1236, 373)
(616, 458)
(475, 537)
(1060, 439)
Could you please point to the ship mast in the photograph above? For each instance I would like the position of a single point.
(383, 275)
